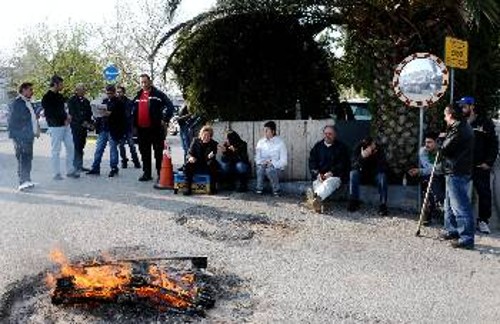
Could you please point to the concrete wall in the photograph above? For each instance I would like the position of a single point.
(299, 136)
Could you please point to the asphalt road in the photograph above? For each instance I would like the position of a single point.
(294, 266)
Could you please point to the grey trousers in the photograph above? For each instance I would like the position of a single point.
(24, 155)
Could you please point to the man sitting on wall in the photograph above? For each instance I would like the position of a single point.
(329, 166)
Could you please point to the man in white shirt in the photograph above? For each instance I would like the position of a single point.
(270, 158)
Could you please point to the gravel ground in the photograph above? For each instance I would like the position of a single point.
(293, 266)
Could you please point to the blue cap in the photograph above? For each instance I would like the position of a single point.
(466, 101)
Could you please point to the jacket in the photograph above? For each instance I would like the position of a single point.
(200, 150)
(20, 123)
(370, 166)
(485, 141)
(53, 105)
(80, 111)
(458, 149)
(333, 158)
(240, 153)
(161, 108)
(116, 122)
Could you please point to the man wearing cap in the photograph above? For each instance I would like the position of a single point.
(485, 153)
(457, 152)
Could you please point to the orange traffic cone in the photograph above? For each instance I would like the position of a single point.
(166, 180)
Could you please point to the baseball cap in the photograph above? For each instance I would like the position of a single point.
(466, 101)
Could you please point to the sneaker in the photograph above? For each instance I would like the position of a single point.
(113, 173)
(25, 186)
(258, 192)
(316, 204)
(447, 236)
(84, 169)
(483, 227)
(145, 177)
(276, 194)
(382, 210)
(353, 205)
(458, 244)
(58, 177)
(124, 165)
(94, 172)
(74, 175)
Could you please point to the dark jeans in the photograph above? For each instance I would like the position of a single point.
(209, 168)
(355, 179)
(436, 195)
(482, 184)
(128, 139)
(232, 171)
(79, 141)
(458, 217)
(151, 137)
(185, 140)
(24, 155)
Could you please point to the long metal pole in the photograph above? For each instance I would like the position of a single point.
(420, 141)
(452, 85)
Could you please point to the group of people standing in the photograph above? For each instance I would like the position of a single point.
(70, 120)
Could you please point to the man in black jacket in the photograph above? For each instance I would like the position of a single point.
(128, 138)
(485, 154)
(369, 164)
(329, 166)
(111, 128)
(59, 120)
(457, 152)
(152, 112)
(81, 121)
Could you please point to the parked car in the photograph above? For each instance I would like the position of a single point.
(360, 109)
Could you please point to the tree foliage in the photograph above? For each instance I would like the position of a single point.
(254, 67)
(44, 52)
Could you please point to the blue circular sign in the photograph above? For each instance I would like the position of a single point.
(111, 72)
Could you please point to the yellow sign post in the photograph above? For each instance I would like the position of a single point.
(456, 53)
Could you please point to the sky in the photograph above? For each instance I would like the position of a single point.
(14, 19)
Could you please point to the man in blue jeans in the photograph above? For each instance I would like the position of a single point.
(369, 164)
(128, 138)
(111, 127)
(457, 151)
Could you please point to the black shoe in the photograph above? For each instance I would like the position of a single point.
(137, 164)
(446, 236)
(145, 177)
(84, 169)
(124, 165)
(461, 245)
(94, 172)
(353, 205)
(113, 173)
(382, 210)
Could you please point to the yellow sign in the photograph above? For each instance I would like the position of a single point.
(456, 53)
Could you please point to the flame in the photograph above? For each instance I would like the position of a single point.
(108, 280)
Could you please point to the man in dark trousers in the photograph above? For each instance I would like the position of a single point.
(457, 151)
(23, 128)
(111, 128)
(81, 121)
(329, 164)
(128, 138)
(369, 165)
(152, 112)
(485, 154)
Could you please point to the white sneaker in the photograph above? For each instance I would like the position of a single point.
(483, 227)
(24, 186)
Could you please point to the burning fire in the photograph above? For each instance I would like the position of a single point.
(110, 281)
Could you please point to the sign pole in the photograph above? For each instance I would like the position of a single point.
(452, 85)
(420, 140)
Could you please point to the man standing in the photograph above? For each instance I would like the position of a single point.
(23, 128)
(59, 128)
(270, 158)
(485, 154)
(369, 164)
(81, 121)
(111, 128)
(427, 157)
(128, 138)
(457, 151)
(152, 112)
(329, 165)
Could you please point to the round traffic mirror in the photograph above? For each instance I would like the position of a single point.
(420, 80)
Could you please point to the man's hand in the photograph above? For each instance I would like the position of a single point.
(483, 166)
(414, 172)
(328, 175)
(191, 159)
(366, 152)
(211, 155)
